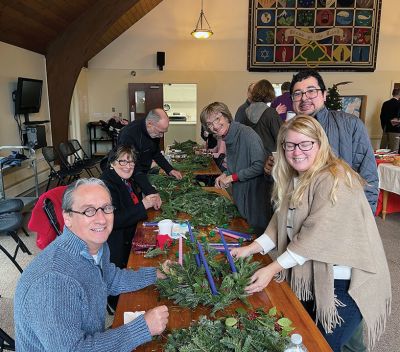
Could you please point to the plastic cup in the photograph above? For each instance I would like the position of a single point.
(165, 227)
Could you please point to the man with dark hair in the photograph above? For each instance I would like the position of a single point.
(60, 300)
(144, 136)
(348, 138)
(390, 122)
(240, 115)
(283, 103)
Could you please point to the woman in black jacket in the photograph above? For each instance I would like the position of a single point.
(129, 208)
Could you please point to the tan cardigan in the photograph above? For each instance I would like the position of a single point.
(344, 233)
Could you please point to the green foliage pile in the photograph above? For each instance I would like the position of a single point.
(254, 331)
(187, 285)
(186, 147)
(191, 162)
(203, 208)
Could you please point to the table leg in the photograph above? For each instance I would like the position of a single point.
(384, 203)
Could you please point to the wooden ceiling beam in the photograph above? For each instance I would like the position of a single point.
(68, 53)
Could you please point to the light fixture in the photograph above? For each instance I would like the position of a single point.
(200, 32)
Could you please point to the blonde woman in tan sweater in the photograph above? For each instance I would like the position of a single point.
(326, 237)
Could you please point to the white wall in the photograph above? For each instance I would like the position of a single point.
(218, 65)
(14, 63)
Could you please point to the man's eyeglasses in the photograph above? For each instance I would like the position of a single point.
(122, 162)
(212, 123)
(303, 146)
(89, 212)
(311, 93)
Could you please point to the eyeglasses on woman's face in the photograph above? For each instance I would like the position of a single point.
(216, 121)
(90, 212)
(310, 93)
(123, 162)
(303, 146)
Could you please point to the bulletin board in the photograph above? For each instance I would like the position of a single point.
(328, 35)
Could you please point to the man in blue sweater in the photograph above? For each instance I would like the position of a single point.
(60, 300)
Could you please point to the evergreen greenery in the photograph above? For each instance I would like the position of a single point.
(187, 285)
(245, 332)
(202, 207)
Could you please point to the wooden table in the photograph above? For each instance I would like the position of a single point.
(279, 295)
(212, 169)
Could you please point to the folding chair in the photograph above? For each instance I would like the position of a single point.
(6, 342)
(10, 223)
(48, 208)
(63, 175)
(80, 154)
(69, 159)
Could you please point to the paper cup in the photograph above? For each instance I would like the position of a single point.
(165, 227)
(290, 115)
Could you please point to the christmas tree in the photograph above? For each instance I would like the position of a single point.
(333, 99)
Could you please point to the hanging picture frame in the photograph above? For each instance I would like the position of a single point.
(328, 35)
(355, 105)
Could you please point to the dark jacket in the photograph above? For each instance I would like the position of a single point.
(126, 216)
(349, 140)
(135, 134)
(390, 109)
(240, 115)
(266, 122)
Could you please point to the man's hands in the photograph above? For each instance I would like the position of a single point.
(281, 109)
(165, 268)
(269, 164)
(157, 319)
(223, 181)
(152, 201)
(176, 174)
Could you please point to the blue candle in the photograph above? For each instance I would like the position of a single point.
(208, 272)
(228, 253)
(196, 256)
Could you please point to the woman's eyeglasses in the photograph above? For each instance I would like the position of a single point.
(89, 212)
(303, 146)
(131, 163)
(212, 123)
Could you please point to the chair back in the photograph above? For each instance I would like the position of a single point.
(51, 156)
(48, 208)
(78, 148)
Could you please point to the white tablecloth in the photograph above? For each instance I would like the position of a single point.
(389, 177)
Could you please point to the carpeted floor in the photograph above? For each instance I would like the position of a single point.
(389, 230)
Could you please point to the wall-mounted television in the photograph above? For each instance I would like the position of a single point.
(28, 95)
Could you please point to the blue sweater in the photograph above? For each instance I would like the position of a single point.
(60, 300)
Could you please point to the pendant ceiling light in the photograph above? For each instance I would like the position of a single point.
(200, 32)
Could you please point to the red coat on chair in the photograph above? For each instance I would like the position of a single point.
(39, 222)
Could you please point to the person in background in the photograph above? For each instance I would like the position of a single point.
(245, 156)
(211, 141)
(240, 115)
(331, 253)
(144, 137)
(390, 122)
(262, 118)
(283, 103)
(129, 207)
(60, 300)
(266, 122)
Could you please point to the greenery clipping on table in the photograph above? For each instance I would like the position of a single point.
(203, 208)
(254, 331)
(187, 285)
(190, 161)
